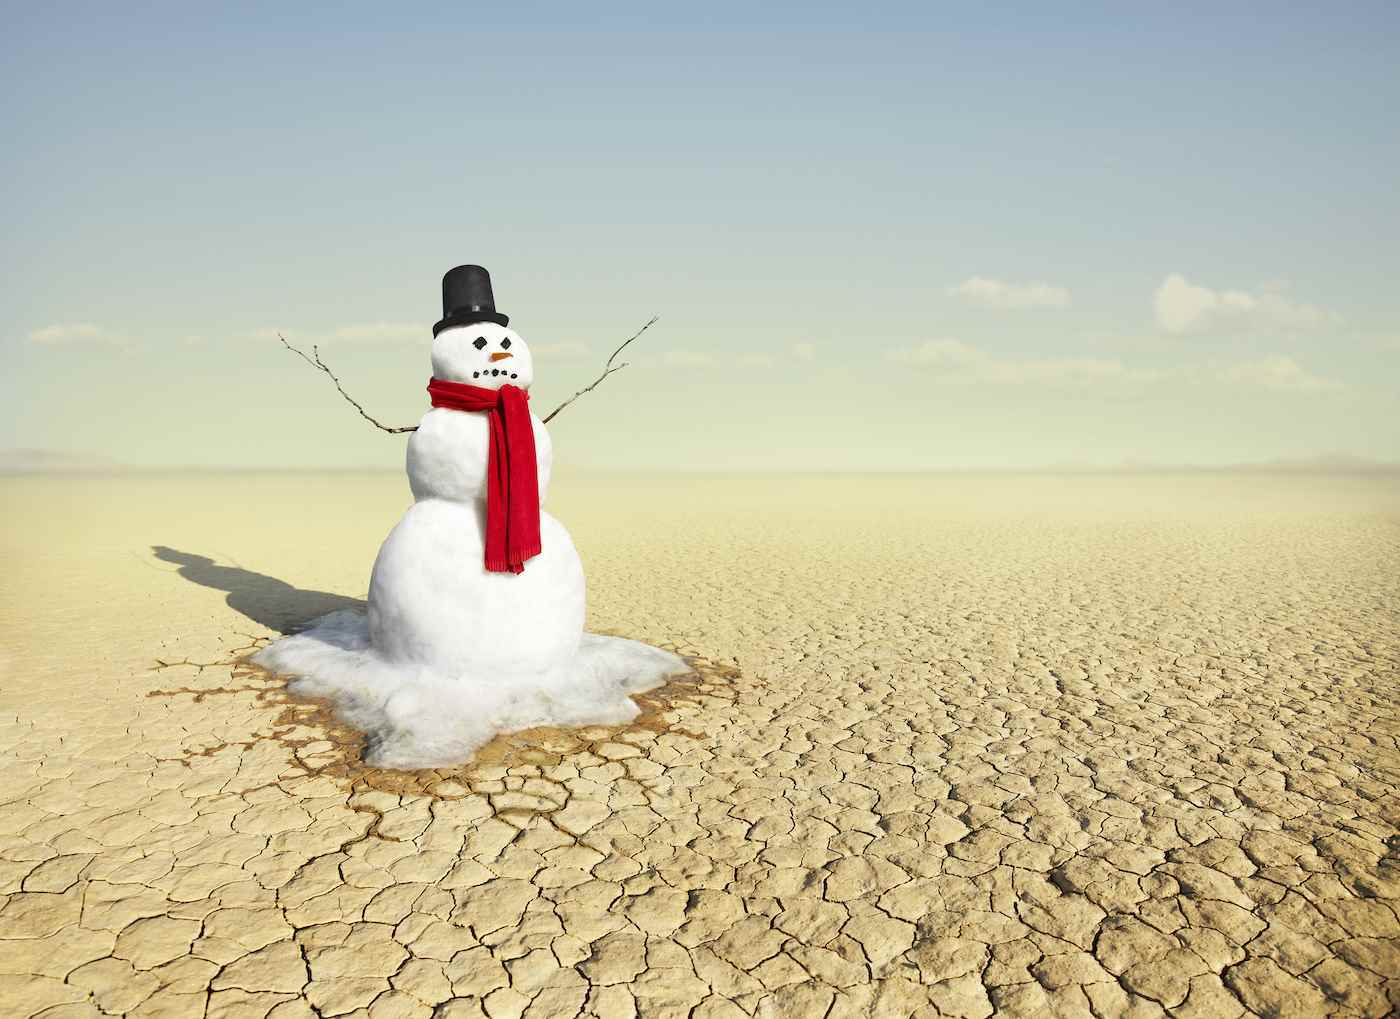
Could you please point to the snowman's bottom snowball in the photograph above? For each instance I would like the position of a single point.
(415, 717)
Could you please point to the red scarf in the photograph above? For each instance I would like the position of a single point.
(512, 484)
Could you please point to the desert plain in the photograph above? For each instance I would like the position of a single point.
(965, 745)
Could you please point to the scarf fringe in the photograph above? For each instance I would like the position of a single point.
(514, 561)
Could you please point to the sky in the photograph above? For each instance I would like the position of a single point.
(889, 237)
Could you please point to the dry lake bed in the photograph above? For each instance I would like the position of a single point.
(957, 745)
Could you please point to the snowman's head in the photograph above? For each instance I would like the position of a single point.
(482, 354)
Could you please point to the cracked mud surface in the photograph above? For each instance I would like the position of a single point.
(958, 746)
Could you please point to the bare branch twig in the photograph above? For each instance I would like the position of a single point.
(315, 361)
(608, 369)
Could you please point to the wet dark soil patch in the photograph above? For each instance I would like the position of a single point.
(322, 745)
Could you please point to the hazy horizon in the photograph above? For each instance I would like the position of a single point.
(44, 462)
(928, 239)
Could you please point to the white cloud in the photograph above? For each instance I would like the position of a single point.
(756, 360)
(949, 360)
(956, 361)
(687, 358)
(942, 353)
(1000, 294)
(683, 358)
(381, 332)
(355, 334)
(1276, 372)
(565, 350)
(1182, 306)
(804, 351)
(75, 332)
(1179, 305)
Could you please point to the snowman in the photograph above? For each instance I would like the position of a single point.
(476, 599)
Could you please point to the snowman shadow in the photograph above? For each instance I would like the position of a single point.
(265, 600)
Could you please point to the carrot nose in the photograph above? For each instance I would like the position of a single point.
(499, 355)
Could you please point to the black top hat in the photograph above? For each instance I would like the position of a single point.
(466, 298)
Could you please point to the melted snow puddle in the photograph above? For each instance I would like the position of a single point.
(416, 717)
(324, 744)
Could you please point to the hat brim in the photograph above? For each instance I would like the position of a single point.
(466, 318)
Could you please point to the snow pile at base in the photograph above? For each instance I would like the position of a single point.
(416, 717)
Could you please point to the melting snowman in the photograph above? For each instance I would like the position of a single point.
(476, 600)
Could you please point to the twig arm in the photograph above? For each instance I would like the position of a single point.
(608, 369)
(315, 361)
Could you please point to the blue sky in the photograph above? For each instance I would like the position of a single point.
(890, 237)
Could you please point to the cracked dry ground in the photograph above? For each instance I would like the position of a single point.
(959, 746)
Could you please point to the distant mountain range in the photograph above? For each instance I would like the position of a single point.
(1344, 462)
(1322, 463)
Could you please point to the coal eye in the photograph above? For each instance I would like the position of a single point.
(505, 344)
(479, 342)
